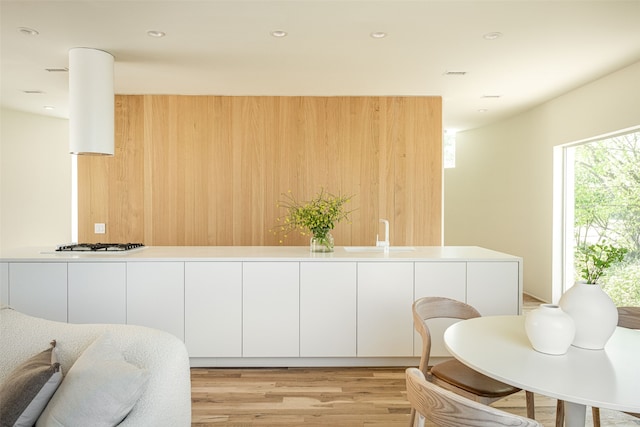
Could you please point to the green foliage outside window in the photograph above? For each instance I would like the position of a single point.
(607, 209)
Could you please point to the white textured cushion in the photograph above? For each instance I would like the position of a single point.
(99, 390)
(166, 401)
(28, 389)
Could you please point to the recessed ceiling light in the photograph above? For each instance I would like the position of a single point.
(482, 110)
(492, 36)
(279, 33)
(49, 107)
(378, 35)
(28, 31)
(155, 33)
(491, 96)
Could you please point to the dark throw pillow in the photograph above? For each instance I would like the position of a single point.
(28, 389)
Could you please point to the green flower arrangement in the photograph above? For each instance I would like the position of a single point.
(317, 216)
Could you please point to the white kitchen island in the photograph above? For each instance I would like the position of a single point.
(265, 306)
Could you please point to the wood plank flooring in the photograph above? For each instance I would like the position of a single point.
(344, 397)
(300, 396)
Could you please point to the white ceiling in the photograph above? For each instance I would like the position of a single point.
(225, 48)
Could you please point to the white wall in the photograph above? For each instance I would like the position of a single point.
(500, 193)
(35, 180)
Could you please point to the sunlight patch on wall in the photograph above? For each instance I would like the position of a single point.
(449, 149)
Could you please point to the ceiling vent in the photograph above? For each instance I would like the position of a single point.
(455, 73)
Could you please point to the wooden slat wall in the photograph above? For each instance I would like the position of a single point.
(209, 170)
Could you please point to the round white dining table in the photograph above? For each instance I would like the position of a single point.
(497, 346)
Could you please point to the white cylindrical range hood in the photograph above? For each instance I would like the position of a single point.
(91, 102)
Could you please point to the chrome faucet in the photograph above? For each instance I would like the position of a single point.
(384, 243)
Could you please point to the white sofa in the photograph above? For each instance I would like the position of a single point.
(166, 399)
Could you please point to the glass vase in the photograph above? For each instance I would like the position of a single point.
(322, 242)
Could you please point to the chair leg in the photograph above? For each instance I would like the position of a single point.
(595, 412)
(531, 405)
(560, 414)
(412, 423)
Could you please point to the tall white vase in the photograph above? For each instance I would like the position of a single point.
(549, 329)
(594, 314)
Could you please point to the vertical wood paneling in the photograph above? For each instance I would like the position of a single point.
(209, 170)
(148, 170)
(164, 172)
(108, 182)
(220, 172)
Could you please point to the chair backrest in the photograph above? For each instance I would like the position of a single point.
(629, 317)
(447, 409)
(434, 308)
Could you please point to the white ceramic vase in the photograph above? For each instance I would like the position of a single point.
(549, 329)
(594, 313)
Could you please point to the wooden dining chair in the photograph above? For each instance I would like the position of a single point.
(628, 317)
(452, 374)
(447, 409)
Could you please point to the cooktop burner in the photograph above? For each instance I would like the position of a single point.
(95, 247)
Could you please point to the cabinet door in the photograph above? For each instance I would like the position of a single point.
(97, 292)
(213, 309)
(39, 289)
(328, 309)
(439, 279)
(385, 322)
(4, 283)
(155, 296)
(271, 322)
(493, 287)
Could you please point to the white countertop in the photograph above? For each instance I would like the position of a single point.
(255, 253)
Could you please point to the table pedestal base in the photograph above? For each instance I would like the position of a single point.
(574, 414)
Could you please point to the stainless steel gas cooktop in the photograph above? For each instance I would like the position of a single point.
(99, 247)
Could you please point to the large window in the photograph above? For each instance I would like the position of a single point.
(602, 206)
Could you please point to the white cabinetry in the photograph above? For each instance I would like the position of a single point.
(213, 309)
(97, 292)
(439, 279)
(492, 287)
(385, 295)
(271, 311)
(155, 295)
(328, 309)
(266, 306)
(39, 289)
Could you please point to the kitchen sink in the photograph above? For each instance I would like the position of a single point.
(379, 248)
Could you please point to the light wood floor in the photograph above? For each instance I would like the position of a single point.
(341, 397)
